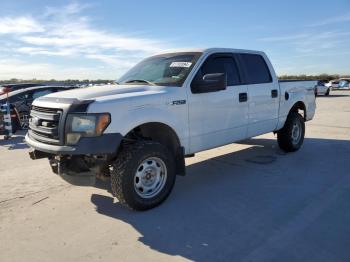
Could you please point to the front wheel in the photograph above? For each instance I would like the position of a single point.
(291, 136)
(327, 92)
(143, 175)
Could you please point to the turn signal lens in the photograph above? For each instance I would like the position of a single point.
(103, 122)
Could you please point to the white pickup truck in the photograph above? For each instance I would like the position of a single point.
(168, 107)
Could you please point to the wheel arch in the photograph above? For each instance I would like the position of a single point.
(299, 107)
(156, 131)
(162, 133)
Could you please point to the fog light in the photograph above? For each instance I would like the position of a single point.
(73, 138)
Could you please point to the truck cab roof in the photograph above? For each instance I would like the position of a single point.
(210, 50)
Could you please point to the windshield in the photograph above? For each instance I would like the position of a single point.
(165, 69)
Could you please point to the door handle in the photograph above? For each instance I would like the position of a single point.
(243, 97)
(274, 93)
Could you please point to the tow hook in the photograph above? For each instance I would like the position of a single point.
(35, 154)
(73, 170)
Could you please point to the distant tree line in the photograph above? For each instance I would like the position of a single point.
(322, 77)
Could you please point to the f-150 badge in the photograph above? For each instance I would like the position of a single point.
(178, 102)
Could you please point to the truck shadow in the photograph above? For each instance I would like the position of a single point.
(15, 142)
(228, 206)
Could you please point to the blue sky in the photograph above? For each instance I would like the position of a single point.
(102, 39)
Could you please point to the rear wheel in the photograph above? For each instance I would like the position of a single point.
(291, 136)
(143, 175)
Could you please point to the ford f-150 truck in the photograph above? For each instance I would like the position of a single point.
(167, 107)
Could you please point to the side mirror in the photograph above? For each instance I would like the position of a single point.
(210, 83)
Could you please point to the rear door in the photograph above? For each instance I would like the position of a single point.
(263, 94)
(218, 118)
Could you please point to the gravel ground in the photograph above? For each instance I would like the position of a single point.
(243, 202)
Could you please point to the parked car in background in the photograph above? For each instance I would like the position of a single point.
(6, 88)
(344, 83)
(322, 89)
(21, 101)
(333, 84)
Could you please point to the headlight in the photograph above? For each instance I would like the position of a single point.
(85, 125)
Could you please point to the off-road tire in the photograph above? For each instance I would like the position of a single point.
(123, 171)
(284, 136)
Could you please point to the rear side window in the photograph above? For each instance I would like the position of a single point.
(222, 65)
(256, 69)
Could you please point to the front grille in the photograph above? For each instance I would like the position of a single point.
(44, 124)
(46, 110)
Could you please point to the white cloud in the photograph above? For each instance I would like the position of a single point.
(43, 51)
(311, 42)
(284, 38)
(10, 68)
(67, 32)
(312, 51)
(341, 18)
(15, 68)
(116, 61)
(308, 36)
(70, 9)
(19, 25)
(68, 28)
(85, 37)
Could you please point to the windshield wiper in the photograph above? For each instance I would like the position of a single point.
(139, 81)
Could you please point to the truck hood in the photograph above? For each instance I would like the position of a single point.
(107, 92)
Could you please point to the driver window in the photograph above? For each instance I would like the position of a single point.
(220, 64)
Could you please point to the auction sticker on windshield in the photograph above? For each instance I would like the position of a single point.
(180, 64)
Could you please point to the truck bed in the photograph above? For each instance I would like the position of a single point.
(293, 91)
(288, 85)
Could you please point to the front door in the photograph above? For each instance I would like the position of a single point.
(221, 117)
